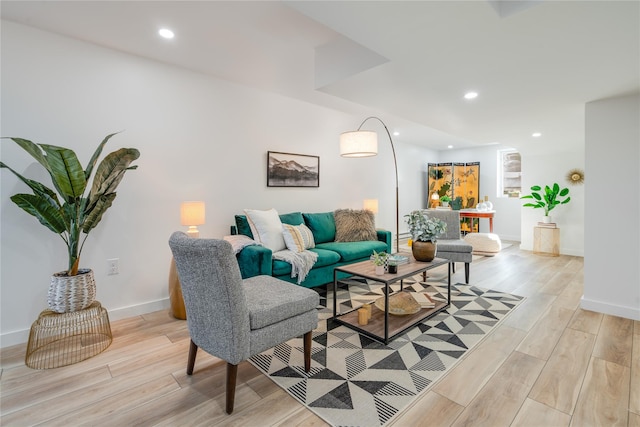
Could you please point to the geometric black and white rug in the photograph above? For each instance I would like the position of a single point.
(357, 381)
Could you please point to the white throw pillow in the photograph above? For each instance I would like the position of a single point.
(266, 228)
(298, 237)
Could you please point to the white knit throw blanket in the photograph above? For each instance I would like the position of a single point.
(301, 262)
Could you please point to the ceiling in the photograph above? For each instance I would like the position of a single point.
(534, 64)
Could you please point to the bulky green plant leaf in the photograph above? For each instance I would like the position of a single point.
(39, 207)
(95, 215)
(74, 214)
(66, 172)
(96, 155)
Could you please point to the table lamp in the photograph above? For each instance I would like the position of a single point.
(192, 215)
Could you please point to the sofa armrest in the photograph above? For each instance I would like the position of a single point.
(385, 236)
(255, 260)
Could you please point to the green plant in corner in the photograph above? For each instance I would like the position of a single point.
(548, 198)
(74, 213)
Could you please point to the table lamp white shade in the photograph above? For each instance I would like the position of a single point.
(371, 205)
(360, 143)
(192, 215)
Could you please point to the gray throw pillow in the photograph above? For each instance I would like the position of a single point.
(354, 225)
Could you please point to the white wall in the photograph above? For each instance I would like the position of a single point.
(545, 169)
(612, 245)
(506, 222)
(200, 138)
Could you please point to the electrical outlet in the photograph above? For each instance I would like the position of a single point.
(112, 266)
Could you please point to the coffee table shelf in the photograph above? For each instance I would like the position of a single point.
(383, 326)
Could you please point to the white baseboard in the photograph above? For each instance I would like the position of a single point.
(22, 336)
(614, 310)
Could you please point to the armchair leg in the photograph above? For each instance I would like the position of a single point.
(466, 272)
(193, 349)
(307, 351)
(453, 267)
(232, 374)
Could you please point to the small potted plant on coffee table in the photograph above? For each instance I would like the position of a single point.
(379, 260)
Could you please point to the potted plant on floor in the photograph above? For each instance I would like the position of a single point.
(74, 214)
(547, 199)
(424, 233)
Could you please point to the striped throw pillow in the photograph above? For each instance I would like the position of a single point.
(297, 237)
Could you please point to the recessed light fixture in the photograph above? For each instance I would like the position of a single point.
(396, 133)
(470, 95)
(536, 134)
(449, 146)
(166, 33)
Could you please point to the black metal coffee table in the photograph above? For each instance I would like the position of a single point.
(383, 326)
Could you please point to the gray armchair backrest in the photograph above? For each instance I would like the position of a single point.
(217, 313)
(452, 218)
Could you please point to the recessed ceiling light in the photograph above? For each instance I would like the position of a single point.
(449, 146)
(166, 33)
(396, 133)
(470, 95)
(536, 134)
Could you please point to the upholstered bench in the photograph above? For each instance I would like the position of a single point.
(487, 244)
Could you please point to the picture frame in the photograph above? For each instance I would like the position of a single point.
(292, 170)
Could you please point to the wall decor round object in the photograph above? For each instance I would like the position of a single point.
(575, 176)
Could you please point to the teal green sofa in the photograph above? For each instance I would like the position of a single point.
(255, 260)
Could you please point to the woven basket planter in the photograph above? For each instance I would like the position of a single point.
(71, 293)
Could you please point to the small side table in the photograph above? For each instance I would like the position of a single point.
(546, 241)
(61, 339)
(175, 293)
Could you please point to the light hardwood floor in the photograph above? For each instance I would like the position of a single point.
(549, 363)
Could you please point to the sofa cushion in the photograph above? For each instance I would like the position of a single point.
(293, 218)
(266, 228)
(322, 225)
(444, 245)
(354, 225)
(325, 257)
(297, 237)
(242, 224)
(287, 300)
(351, 251)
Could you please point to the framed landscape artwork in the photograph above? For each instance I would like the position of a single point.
(292, 170)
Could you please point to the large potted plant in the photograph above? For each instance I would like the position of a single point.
(424, 232)
(547, 199)
(71, 213)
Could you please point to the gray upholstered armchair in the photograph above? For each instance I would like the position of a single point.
(450, 245)
(234, 319)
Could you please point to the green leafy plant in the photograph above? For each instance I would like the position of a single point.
(445, 198)
(379, 258)
(74, 213)
(423, 228)
(548, 198)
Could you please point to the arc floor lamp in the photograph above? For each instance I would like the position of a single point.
(364, 143)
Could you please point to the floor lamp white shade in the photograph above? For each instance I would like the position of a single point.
(364, 143)
(360, 143)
